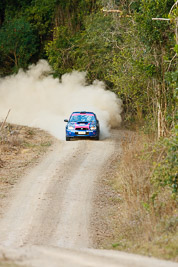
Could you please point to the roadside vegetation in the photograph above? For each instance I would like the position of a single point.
(132, 46)
(20, 147)
(147, 188)
(8, 263)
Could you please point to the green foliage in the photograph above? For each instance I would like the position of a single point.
(40, 15)
(58, 50)
(130, 73)
(45, 16)
(89, 50)
(72, 13)
(154, 32)
(131, 54)
(94, 47)
(18, 42)
(165, 173)
(171, 79)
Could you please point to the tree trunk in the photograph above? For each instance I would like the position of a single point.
(15, 59)
(161, 111)
(160, 91)
(160, 121)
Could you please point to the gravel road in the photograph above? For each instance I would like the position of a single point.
(47, 222)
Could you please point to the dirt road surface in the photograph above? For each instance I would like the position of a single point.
(47, 222)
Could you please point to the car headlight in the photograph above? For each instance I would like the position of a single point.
(93, 127)
(71, 128)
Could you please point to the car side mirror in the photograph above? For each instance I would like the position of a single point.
(66, 120)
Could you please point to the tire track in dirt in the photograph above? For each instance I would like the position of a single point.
(52, 204)
(28, 202)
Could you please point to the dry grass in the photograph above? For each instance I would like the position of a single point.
(146, 224)
(20, 147)
(8, 263)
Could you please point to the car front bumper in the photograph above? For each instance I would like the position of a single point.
(82, 133)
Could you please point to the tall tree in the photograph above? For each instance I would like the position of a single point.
(158, 37)
(18, 42)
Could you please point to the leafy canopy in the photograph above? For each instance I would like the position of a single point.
(18, 41)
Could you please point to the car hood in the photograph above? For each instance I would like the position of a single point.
(81, 125)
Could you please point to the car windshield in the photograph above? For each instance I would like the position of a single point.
(82, 118)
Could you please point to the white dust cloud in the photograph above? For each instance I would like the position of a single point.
(36, 99)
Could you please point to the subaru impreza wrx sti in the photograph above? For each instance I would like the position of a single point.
(82, 124)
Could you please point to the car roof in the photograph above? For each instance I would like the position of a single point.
(83, 112)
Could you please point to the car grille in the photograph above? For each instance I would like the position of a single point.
(81, 128)
(86, 133)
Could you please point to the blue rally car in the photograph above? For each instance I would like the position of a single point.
(82, 124)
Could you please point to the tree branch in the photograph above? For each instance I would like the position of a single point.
(3, 123)
(112, 11)
(173, 6)
(115, 11)
(160, 19)
(171, 62)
